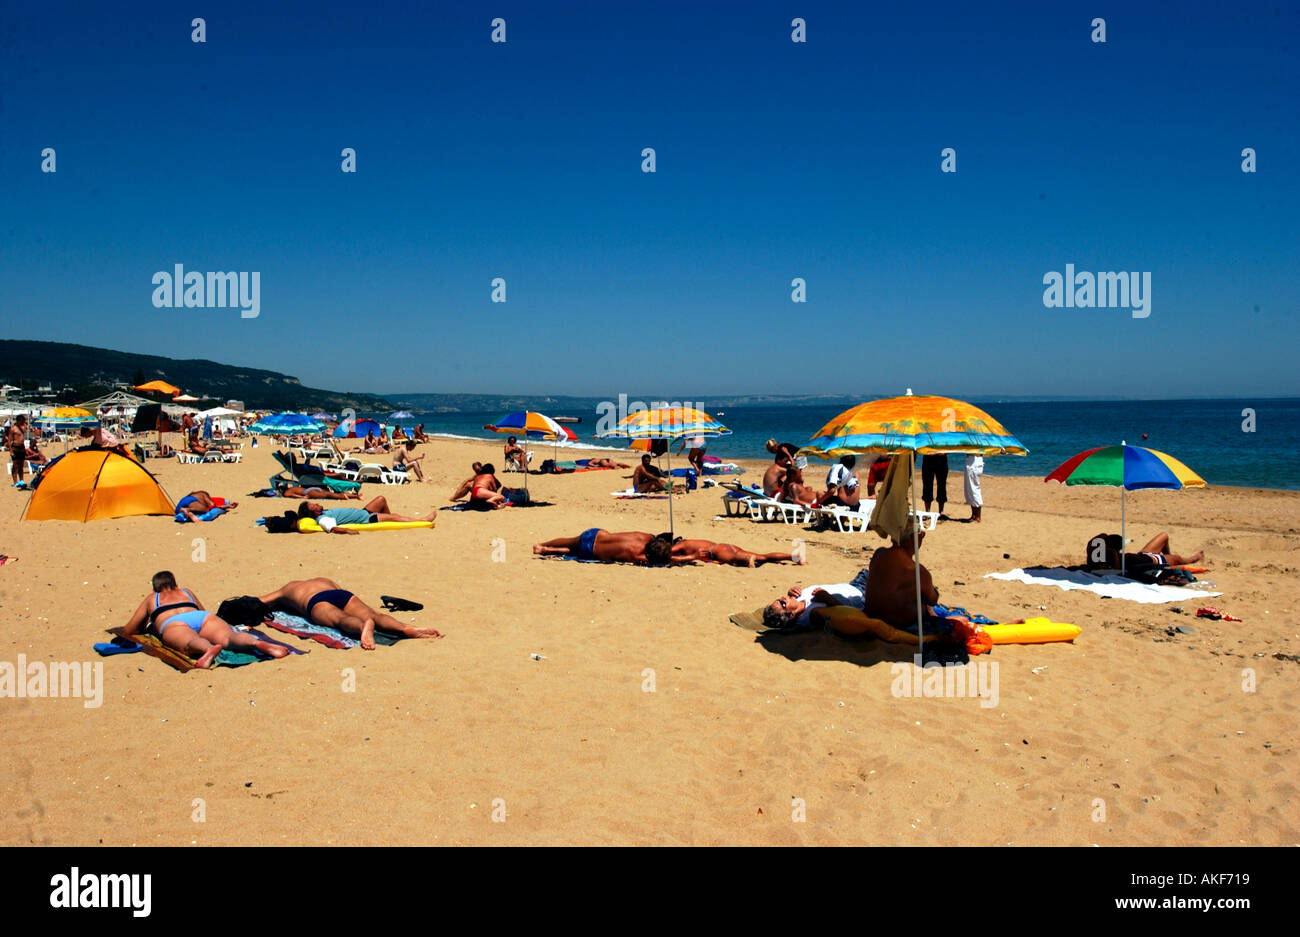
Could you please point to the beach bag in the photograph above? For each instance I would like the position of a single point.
(287, 523)
(246, 610)
(518, 497)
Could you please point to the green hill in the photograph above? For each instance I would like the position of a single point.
(79, 372)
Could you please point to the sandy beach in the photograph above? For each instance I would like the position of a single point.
(1131, 735)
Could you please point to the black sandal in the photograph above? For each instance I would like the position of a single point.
(394, 604)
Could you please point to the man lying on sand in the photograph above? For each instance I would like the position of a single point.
(298, 491)
(177, 617)
(793, 609)
(652, 550)
(607, 546)
(1155, 553)
(373, 512)
(706, 551)
(322, 601)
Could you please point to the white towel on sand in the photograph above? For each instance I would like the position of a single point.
(1111, 586)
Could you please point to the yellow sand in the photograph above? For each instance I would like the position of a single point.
(737, 739)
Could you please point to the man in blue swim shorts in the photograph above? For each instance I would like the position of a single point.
(322, 601)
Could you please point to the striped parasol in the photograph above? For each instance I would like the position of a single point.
(666, 423)
(1128, 468)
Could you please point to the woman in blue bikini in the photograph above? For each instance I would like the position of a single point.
(177, 617)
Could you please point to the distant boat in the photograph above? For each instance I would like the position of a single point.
(567, 419)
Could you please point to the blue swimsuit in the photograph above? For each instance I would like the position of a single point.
(193, 620)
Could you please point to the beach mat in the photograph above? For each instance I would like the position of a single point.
(1110, 586)
(152, 645)
(300, 627)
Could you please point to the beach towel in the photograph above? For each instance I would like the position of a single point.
(209, 515)
(1111, 586)
(633, 493)
(891, 511)
(152, 645)
(300, 627)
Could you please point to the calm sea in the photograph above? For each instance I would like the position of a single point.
(1207, 435)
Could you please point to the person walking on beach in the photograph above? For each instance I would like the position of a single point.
(696, 456)
(974, 473)
(934, 481)
(16, 443)
(179, 619)
(324, 602)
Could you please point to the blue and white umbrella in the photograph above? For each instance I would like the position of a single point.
(286, 424)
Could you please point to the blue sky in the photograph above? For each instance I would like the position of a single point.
(775, 160)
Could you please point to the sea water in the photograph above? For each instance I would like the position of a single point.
(1254, 443)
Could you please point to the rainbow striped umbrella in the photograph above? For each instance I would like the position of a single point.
(1127, 468)
(530, 425)
(666, 423)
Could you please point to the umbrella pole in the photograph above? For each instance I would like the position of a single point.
(670, 492)
(1123, 543)
(916, 556)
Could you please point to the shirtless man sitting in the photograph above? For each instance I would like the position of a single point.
(647, 477)
(324, 602)
(891, 582)
(373, 512)
(706, 551)
(607, 546)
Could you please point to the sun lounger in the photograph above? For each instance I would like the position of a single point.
(308, 479)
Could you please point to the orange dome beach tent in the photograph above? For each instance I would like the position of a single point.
(93, 484)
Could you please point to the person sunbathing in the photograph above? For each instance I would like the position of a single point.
(485, 490)
(375, 511)
(1155, 553)
(467, 485)
(891, 581)
(605, 464)
(706, 551)
(516, 458)
(403, 461)
(399, 434)
(795, 492)
(324, 602)
(419, 434)
(648, 477)
(793, 609)
(298, 491)
(197, 632)
(34, 454)
(372, 445)
(199, 447)
(200, 502)
(842, 486)
(774, 479)
(608, 546)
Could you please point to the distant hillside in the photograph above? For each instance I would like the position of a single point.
(90, 370)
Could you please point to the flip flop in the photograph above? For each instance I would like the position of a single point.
(394, 604)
